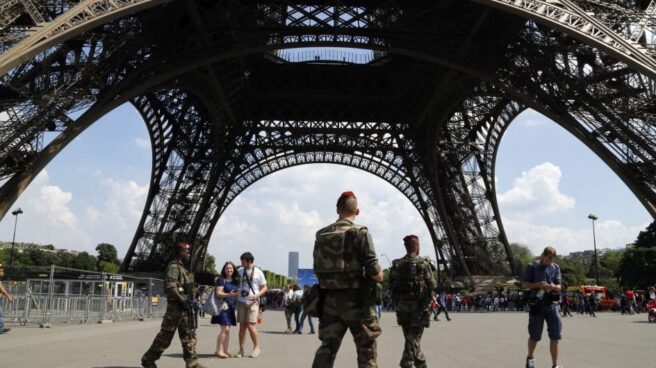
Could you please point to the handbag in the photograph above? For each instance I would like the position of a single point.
(214, 304)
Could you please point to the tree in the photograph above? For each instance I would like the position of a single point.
(609, 263)
(85, 261)
(210, 264)
(572, 271)
(647, 238)
(522, 255)
(107, 253)
(637, 269)
(103, 266)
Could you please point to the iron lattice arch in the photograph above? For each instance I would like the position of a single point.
(416, 92)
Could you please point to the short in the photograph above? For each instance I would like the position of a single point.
(247, 313)
(549, 313)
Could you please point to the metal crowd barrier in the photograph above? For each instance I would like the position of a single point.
(31, 308)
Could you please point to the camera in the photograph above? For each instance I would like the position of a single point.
(244, 293)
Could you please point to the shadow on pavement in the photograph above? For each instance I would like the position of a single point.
(275, 332)
(179, 355)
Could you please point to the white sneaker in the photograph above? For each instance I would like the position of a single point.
(530, 363)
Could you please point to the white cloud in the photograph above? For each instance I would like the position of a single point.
(143, 143)
(610, 234)
(282, 212)
(125, 202)
(48, 216)
(536, 192)
(532, 119)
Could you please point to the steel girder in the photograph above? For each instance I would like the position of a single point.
(586, 64)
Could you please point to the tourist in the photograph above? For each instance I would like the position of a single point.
(592, 302)
(252, 285)
(565, 305)
(630, 297)
(305, 298)
(543, 278)
(289, 305)
(10, 298)
(298, 298)
(227, 289)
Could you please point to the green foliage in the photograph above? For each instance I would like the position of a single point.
(637, 268)
(522, 255)
(210, 265)
(107, 267)
(647, 238)
(107, 253)
(85, 261)
(573, 272)
(609, 263)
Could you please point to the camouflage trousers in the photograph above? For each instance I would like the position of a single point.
(342, 311)
(412, 354)
(175, 318)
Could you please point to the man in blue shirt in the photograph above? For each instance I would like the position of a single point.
(543, 279)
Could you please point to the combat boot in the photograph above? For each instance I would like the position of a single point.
(146, 364)
(195, 364)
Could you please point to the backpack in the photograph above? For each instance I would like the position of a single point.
(408, 279)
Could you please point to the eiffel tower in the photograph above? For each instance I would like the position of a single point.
(416, 92)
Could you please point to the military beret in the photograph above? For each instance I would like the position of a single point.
(183, 245)
(345, 195)
(408, 239)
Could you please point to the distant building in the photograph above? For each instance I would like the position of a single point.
(586, 257)
(292, 272)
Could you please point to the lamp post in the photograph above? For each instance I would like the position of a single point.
(13, 240)
(388, 261)
(594, 242)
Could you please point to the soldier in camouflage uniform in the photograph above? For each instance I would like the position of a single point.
(412, 284)
(348, 271)
(179, 282)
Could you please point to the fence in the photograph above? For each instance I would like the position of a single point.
(70, 296)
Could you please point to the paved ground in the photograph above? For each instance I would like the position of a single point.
(470, 340)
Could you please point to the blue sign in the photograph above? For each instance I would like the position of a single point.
(306, 277)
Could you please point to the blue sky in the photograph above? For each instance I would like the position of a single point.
(547, 182)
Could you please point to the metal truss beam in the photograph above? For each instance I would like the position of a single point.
(226, 104)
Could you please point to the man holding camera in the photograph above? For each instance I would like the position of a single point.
(179, 296)
(252, 287)
(543, 278)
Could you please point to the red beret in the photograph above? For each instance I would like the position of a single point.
(183, 245)
(345, 195)
(408, 239)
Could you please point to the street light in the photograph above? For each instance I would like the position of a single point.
(388, 261)
(13, 240)
(594, 242)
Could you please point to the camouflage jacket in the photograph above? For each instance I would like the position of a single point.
(344, 255)
(412, 281)
(177, 276)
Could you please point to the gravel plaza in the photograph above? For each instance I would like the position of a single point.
(476, 340)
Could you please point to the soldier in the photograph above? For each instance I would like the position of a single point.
(179, 295)
(412, 284)
(348, 271)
